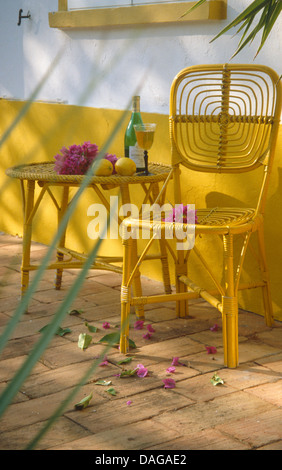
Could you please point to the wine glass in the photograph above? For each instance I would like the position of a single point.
(145, 137)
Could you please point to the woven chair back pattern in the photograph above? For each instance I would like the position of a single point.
(224, 118)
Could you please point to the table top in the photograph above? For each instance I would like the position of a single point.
(45, 172)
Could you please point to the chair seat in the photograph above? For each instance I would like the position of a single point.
(224, 217)
(217, 220)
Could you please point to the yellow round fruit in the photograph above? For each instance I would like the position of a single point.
(103, 168)
(125, 166)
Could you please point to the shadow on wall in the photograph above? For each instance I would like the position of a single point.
(252, 299)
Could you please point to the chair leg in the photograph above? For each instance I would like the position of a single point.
(229, 307)
(132, 247)
(181, 265)
(165, 267)
(163, 250)
(230, 331)
(125, 295)
(266, 293)
(182, 308)
(136, 282)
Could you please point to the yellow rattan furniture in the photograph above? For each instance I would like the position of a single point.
(43, 176)
(223, 120)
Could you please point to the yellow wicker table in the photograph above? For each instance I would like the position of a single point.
(44, 175)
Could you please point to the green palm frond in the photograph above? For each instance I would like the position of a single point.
(200, 2)
(265, 12)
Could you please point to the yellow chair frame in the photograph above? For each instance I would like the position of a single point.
(224, 118)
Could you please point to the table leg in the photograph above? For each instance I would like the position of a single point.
(27, 232)
(60, 256)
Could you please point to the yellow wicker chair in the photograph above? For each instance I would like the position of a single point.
(223, 119)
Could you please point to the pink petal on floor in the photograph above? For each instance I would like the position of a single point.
(138, 325)
(147, 336)
(169, 383)
(175, 362)
(142, 372)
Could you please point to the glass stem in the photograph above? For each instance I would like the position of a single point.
(146, 161)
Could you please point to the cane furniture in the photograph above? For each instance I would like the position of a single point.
(46, 179)
(223, 120)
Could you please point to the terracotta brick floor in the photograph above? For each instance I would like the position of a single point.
(243, 413)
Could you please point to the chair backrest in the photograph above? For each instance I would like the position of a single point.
(224, 117)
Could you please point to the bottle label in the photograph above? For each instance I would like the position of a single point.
(137, 155)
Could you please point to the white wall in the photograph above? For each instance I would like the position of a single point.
(121, 58)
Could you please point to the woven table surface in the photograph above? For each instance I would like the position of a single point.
(45, 172)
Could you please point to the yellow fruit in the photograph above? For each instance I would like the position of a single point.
(125, 166)
(103, 168)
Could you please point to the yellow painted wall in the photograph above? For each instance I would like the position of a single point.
(45, 128)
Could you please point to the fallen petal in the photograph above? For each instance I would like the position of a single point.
(142, 372)
(214, 327)
(138, 325)
(147, 336)
(175, 362)
(169, 383)
(211, 349)
(104, 362)
(106, 325)
(150, 329)
(170, 369)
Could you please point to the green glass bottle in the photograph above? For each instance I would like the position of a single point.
(131, 148)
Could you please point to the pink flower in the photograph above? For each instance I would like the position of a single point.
(129, 402)
(138, 325)
(104, 362)
(169, 383)
(182, 213)
(75, 160)
(214, 327)
(142, 371)
(211, 349)
(112, 159)
(106, 325)
(170, 370)
(147, 336)
(175, 362)
(150, 329)
(90, 150)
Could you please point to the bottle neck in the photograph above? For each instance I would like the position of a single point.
(136, 105)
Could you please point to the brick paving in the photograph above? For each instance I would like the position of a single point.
(243, 413)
